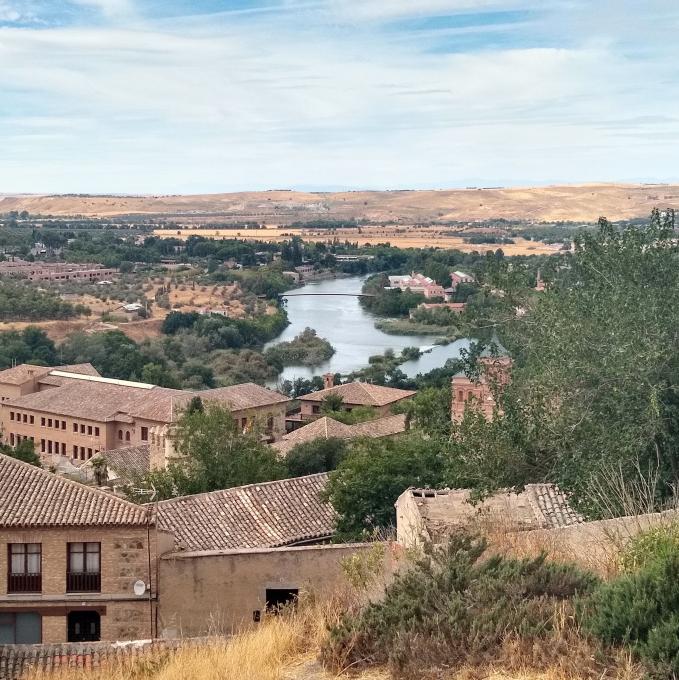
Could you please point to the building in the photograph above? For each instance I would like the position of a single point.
(417, 283)
(70, 557)
(77, 413)
(458, 277)
(495, 365)
(55, 271)
(243, 551)
(455, 307)
(79, 564)
(328, 428)
(353, 394)
(430, 516)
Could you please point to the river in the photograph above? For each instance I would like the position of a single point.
(351, 331)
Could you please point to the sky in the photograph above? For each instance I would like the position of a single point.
(202, 96)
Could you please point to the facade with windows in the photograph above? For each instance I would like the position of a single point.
(69, 558)
(73, 412)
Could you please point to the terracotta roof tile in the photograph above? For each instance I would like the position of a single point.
(20, 374)
(246, 395)
(360, 393)
(267, 515)
(128, 463)
(328, 428)
(32, 497)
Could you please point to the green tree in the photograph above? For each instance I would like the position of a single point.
(319, 455)
(216, 454)
(331, 403)
(375, 472)
(24, 450)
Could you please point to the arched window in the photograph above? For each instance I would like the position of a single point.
(120, 434)
(127, 436)
(269, 423)
(460, 395)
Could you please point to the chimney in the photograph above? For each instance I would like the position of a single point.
(328, 380)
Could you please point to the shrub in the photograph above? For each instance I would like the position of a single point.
(453, 608)
(650, 547)
(641, 609)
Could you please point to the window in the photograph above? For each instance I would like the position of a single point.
(24, 564)
(63, 424)
(32, 420)
(25, 418)
(120, 434)
(82, 429)
(49, 422)
(42, 422)
(277, 598)
(89, 454)
(75, 451)
(315, 409)
(42, 446)
(144, 434)
(83, 568)
(75, 427)
(63, 448)
(269, 423)
(89, 429)
(11, 438)
(127, 436)
(84, 626)
(460, 395)
(24, 628)
(11, 415)
(96, 431)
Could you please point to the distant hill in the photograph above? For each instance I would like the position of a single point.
(577, 203)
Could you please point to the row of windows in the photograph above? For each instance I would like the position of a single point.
(55, 423)
(16, 439)
(25, 628)
(77, 452)
(24, 567)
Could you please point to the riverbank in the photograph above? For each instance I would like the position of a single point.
(408, 327)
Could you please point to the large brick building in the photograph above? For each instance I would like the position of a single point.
(69, 558)
(73, 412)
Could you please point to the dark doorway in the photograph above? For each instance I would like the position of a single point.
(277, 598)
(84, 626)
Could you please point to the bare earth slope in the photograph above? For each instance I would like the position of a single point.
(569, 203)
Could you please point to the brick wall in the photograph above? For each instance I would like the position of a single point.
(124, 560)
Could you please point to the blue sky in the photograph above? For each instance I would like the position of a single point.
(190, 96)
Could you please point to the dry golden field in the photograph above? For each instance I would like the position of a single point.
(403, 237)
(583, 202)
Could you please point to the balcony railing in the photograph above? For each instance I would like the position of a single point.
(24, 583)
(83, 582)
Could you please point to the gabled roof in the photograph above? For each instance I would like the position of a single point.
(266, 515)
(328, 428)
(32, 497)
(361, 394)
(245, 395)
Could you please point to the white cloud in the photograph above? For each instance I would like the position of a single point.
(9, 13)
(110, 8)
(247, 103)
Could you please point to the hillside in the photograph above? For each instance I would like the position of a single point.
(568, 203)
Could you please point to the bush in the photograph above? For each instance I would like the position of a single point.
(641, 609)
(650, 547)
(452, 608)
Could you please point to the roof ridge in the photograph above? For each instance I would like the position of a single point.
(244, 486)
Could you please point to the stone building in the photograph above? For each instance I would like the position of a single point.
(69, 558)
(73, 412)
(353, 394)
(328, 428)
(495, 366)
(430, 515)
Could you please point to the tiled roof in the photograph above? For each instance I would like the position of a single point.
(360, 393)
(267, 515)
(103, 400)
(32, 497)
(20, 374)
(128, 463)
(327, 428)
(553, 505)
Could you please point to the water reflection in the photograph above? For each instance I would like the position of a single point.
(351, 331)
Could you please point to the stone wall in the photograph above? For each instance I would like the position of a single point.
(205, 593)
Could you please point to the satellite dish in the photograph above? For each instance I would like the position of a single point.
(139, 588)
